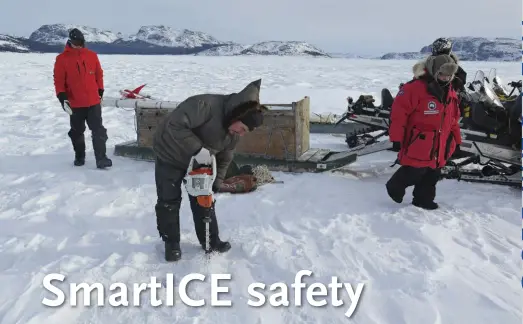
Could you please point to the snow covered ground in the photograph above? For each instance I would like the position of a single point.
(460, 264)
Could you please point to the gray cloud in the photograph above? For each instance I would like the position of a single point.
(363, 26)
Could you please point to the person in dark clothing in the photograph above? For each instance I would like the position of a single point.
(425, 126)
(201, 126)
(78, 81)
(443, 45)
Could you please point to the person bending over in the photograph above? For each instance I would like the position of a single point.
(201, 126)
(425, 127)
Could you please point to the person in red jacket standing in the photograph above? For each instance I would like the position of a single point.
(78, 81)
(425, 127)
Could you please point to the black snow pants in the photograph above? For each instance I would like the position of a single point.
(424, 181)
(93, 116)
(169, 180)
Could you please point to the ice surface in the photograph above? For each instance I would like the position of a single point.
(460, 264)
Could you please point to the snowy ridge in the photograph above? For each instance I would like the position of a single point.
(57, 34)
(456, 265)
(404, 56)
(170, 37)
(158, 39)
(12, 44)
(224, 50)
(290, 48)
(472, 49)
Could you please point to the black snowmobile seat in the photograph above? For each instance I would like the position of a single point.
(386, 99)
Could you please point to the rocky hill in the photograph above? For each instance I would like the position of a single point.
(152, 40)
(13, 44)
(266, 48)
(472, 49)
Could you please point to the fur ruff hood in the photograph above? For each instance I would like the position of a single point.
(419, 69)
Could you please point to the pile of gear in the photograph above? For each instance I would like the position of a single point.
(246, 178)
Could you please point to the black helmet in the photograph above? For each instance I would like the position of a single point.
(441, 46)
(76, 37)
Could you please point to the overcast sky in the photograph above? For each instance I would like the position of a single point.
(361, 27)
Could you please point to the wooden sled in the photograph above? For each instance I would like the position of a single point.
(281, 144)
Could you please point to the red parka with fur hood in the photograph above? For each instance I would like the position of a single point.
(425, 117)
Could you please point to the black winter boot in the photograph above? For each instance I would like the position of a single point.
(429, 205)
(173, 252)
(219, 246)
(99, 140)
(398, 183)
(393, 194)
(79, 149)
(79, 160)
(104, 162)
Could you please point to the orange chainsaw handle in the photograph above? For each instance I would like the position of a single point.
(203, 201)
(201, 171)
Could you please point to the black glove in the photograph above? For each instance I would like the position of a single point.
(62, 96)
(101, 93)
(396, 146)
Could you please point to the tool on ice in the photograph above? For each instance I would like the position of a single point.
(199, 182)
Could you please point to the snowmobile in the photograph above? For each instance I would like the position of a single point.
(489, 119)
(491, 132)
(501, 91)
(375, 118)
(485, 117)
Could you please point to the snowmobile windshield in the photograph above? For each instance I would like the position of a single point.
(497, 83)
(485, 91)
(491, 95)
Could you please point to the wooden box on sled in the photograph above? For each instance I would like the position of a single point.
(284, 134)
(282, 143)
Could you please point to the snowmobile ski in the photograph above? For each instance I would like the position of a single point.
(372, 148)
(477, 176)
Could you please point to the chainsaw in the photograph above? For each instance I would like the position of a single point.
(198, 183)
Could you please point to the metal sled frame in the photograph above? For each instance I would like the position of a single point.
(474, 147)
(314, 160)
(498, 172)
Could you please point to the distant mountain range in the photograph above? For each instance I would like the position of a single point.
(472, 49)
(149, 40)
(163, 40)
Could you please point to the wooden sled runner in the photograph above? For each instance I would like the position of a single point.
(281, 144)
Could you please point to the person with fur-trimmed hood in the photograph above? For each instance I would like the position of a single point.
(201, 126)
(425, 126)
(444, 46)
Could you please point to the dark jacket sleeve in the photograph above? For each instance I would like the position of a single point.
(187, 116)
(460, 79)
(223, 160)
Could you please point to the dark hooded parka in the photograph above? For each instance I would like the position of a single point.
(202, 121)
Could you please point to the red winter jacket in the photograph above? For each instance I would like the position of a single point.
(78, 73)
(427, 129)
